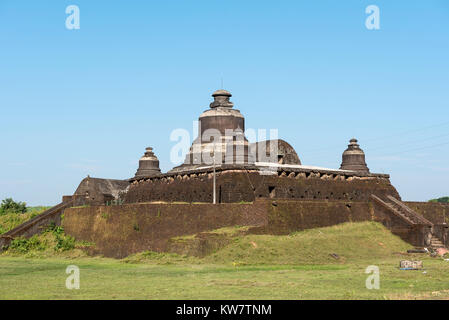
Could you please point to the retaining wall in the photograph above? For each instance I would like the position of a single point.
(119, 231)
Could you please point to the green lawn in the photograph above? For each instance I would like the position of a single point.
(251, 267)
(23, 278)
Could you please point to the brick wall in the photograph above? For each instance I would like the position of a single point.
(119, 231)
(238, 185)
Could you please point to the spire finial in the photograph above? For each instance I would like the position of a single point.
(221, 99)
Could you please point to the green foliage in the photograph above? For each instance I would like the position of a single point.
(37, 209)
(8, 205)
(63, 242)
(22, 245)
(9, 221)
(52, 238)
(53, 228)
(441, 200)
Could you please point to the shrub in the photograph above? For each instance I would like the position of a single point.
(23, 245)
(441, 200)
(53, 228)
(64, 243)
(8, 205)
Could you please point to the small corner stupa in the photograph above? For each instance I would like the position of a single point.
(354, 158)
(148, 165)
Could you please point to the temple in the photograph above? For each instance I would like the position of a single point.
(247, 171)
(225, 180)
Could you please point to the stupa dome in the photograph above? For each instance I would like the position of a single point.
(354, 158)
(221, 129)
(148, 165)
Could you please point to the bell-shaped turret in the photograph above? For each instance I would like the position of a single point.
(148, 165)
(221, 137)
(354, 158)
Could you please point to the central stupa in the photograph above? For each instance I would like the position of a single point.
(221, 136)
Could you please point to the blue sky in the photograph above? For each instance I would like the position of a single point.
(88, 101)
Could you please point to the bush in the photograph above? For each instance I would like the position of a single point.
(9, 221)
(53, 228)
(37, 209)
(441, 200)
(52, 238)
(63, 242)
(24, 245)
(8, 205)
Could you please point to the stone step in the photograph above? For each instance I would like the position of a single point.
(436, 243)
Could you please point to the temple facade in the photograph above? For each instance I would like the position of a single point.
(225, 180)
(246, 171)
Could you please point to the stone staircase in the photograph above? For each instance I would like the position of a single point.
(36, 224)
(409, 216)
(401, 210)
(407, 212)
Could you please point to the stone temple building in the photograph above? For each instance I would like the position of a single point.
(263, 185)
(248, 171)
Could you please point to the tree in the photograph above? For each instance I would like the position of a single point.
(8, 205)
(441, 200)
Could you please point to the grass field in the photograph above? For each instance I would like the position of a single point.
(251, 267)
